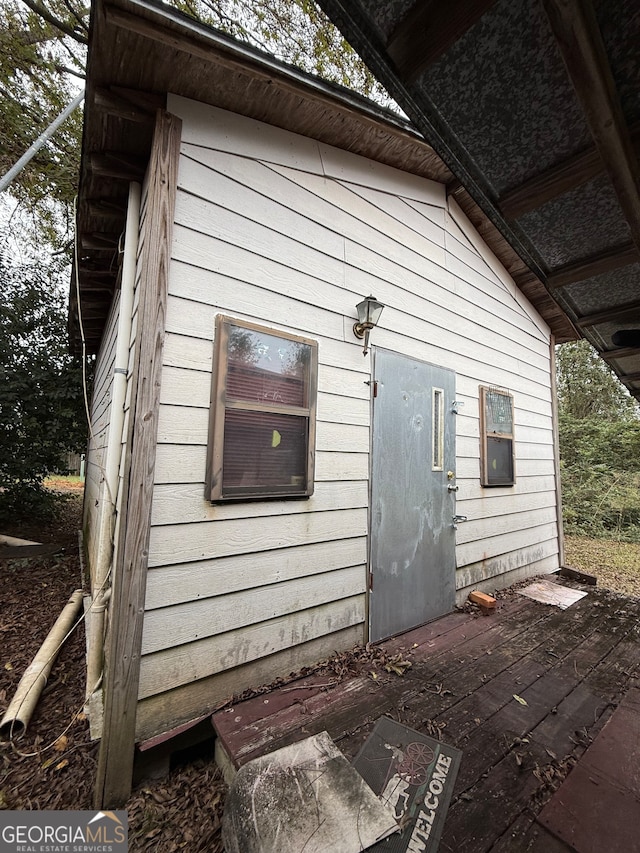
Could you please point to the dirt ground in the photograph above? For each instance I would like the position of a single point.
(53, 766)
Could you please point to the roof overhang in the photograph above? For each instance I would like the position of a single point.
(141, 50)
(535, 108)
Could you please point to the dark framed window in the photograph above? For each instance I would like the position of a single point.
(497, 466)
(263, 413)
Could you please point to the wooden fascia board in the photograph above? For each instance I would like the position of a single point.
(559, 179)
(611, 259)
(206, 44)
(624, 314)
(579, 41)
(428, 30)
(115, 760)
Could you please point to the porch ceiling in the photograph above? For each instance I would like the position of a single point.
(534, 105)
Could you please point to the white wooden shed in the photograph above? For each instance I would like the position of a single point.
(278, 495)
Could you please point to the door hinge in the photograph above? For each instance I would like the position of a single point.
(370, 581)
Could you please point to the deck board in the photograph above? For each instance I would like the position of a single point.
(572, 668)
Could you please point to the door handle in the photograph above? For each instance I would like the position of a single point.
(452, 488)
(458, 519)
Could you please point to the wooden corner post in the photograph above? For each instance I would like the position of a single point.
(129, 579)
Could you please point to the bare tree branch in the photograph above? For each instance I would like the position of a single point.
(55, 22)
(63, 69)
(81, 16)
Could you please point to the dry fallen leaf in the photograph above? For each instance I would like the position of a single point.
(64, 763)
(397, 665)
(8, 666)
(520, 699)
(61, 744)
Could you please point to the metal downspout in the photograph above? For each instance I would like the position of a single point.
(100, 586)
(45, 136)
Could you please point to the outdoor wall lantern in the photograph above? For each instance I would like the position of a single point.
(369, 311)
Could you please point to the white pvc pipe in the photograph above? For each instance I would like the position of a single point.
(113, 457)
(12, 542)
(21, 707)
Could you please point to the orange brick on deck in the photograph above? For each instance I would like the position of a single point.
(486, 602)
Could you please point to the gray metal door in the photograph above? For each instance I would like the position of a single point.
(413, 494)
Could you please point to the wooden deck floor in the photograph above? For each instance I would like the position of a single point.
(570, 668)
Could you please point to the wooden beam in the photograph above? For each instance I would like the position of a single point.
(575, 28)
(99, 207)
(611, 259)
(630, 377)
(112, 103)
(146, 102)
(623, 352)
(428, 30)
(114, 164)
(559, 179)
(97, 285)
(93, 326)
(624, 314)
(554, 182)
(555, 421)
(96, 271)
(99, 241)
(122, 676)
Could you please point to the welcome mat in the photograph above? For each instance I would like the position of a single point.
(413, 775)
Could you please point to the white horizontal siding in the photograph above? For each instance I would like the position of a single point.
(189, 701)
(284, 231)
(506, 543)
(98, 434)
(184, 582)
(186, 464)
(185, 623)
(184, 542)
(185, 664)
(192, 508)
(496, 571)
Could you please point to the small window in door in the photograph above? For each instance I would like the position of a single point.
(496, 438)
(437, 430)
